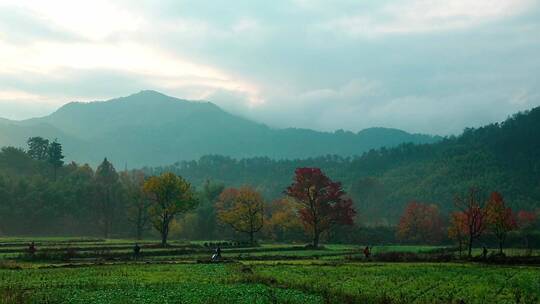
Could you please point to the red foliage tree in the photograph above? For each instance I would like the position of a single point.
(500, 218)
(471, 206)
(321, 202)
(526, 221)
(420, 223)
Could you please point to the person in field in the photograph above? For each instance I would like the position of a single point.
(367, 252)
(136, 250)
(32, 248)
(217, 254)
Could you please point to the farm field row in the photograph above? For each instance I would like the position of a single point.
(95, 249)
(281, 282)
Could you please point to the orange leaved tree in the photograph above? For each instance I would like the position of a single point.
(499, 218)
(420, 223)
(283, 222)
(458, 229)
(474, 215)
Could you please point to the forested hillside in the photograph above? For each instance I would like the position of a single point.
(502, 157)
(150, 129)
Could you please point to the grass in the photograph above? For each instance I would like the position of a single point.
(269, 273)
(407, 283)
(259, 282)
(138, 284)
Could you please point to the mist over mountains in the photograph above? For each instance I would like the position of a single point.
(502, 156)
(150, 128)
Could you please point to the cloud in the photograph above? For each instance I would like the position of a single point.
(420, 16)
(92, 20)
(20, 26)
(19, 103)
(425, 66)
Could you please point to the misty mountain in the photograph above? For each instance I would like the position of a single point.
(149, 128)
(503, 157)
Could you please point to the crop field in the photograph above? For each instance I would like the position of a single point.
(105, 271)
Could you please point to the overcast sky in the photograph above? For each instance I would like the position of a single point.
(423, 66)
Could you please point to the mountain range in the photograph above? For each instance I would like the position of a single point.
(149, 129)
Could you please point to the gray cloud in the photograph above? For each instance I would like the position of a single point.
(436, 67)
(23, 27)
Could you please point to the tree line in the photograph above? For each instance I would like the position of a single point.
(47, 197)
(475, 215)
(39, 194)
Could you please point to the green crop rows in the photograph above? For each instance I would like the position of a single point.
(266, 274)
(272, 283)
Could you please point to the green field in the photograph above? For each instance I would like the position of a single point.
(271, 273)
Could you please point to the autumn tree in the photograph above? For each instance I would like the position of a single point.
(108, 192)
(242, 209)
(321, 202)
(282, 220)
(458, 229)
(137, 202)
(499, 218)
(420, 223)
(170, 196)
(472, 208)
(526, 221)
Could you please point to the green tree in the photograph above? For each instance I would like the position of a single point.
(206, 214)
(55, 156)
(4, 203)
(15, 162)
(137, 202)
(108, 194)
(170, 195)
(78, 191)
(38, 148)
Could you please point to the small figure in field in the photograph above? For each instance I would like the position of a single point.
(136, 250)
(367, 252)
(217, 254)
(32, 248)
(484, 253)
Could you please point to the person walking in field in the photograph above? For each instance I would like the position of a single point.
(136, 250)
(32, 248)
(217, 254)
(367, 252)
(484, 253)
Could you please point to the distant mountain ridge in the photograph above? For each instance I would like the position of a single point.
(503, 157)
(150, 128)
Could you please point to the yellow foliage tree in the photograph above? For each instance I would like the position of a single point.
(170, 195)
(242, 209)
(283, 219)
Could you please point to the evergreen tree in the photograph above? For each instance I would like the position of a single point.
(55, 156)
(38, 148)
(108, 190)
